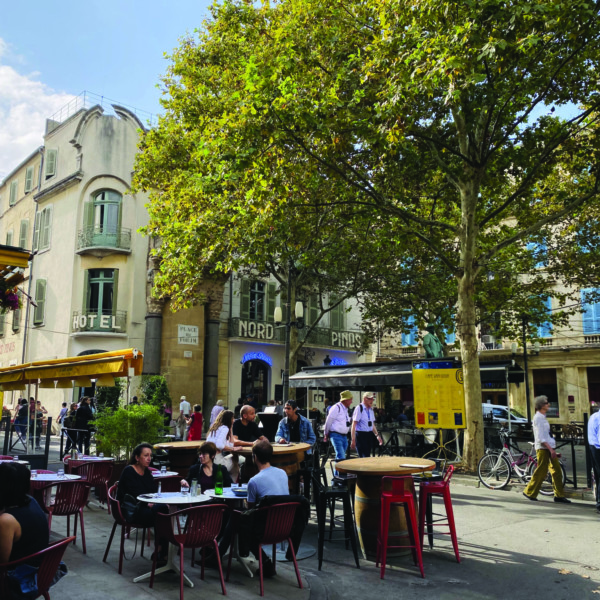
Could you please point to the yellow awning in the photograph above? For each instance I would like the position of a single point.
(12, 261)
(116, 363)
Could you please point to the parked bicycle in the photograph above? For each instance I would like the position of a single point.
(496, 467)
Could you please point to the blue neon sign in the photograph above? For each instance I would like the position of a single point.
(257, 356)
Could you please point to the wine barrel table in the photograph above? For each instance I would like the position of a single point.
(285, 456)
(367, 497)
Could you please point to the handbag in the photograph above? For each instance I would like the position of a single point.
(129, 506)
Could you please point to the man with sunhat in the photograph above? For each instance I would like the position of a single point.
(337, 425)
(364, 430)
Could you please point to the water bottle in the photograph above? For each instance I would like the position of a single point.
(159, 493)
(218, 481)
(194, 490)
(73, 453)
(163, 470)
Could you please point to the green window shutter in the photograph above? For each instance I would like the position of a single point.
(115, 291)
(51, 156)
(2, 324)
(334, 315)
(40, 300)
(36, 229)
(28, 179)
(245, 299)
(86, 292)
(9, 238)
(46, 228)
(14, 189)
(16, 324)
(23, 231)
(271, 297)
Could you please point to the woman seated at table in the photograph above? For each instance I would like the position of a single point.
(136, 480)
(221, 434)
(23, 524)
(205, 469)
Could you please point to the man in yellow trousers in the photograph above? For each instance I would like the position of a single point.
(547, 458)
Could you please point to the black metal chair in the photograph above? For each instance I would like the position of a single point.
(326, 497)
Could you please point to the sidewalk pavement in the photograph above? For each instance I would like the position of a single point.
(510, 547)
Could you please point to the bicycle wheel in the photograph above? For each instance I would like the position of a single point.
(547, 488)
(494, 471)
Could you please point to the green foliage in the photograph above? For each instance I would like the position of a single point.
(119, 431)
(410, 144)
(109, 397)
(155, 390)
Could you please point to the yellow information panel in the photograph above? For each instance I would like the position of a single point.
(439, 394)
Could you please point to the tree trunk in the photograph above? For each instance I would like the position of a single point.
(466, 319)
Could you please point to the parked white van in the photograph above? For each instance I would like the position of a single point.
(499, 414)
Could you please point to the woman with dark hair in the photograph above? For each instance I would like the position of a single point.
(205, 469)
(195, 424)
(221, 434)
(136, 480)
(23, 525)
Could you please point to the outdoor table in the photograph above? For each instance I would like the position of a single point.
(369, 473)
(43, 479)
(19, 462)
(159, 474)
(285, 456)
(171, 498)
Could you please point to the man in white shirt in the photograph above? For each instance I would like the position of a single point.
(547, 458)
(364, 430)
(337, 425)
(185, 408)
(594, 445)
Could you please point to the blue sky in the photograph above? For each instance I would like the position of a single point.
(50, 52)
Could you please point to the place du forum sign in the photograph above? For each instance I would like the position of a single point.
(266, 331)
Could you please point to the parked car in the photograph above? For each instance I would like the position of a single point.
(499, 414)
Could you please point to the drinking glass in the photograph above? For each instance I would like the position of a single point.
(61, 473)
(184, 490)
(163, 470)
(33, 474)
(101, 455)
(15, 458)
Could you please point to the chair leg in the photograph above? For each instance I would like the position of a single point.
(122, 550)
(321, 516)
(110, 539)
(450, 517)
(331, 516)
(202, 565)
(422, 514)
(350, 532)
(415, 535)
(154, 557)
(220, 567)
(144, 541)
(260, 570)
(274, 557)
(383, 535)
(231, 547)
(181, 557)
(295, 563)
(82, 529)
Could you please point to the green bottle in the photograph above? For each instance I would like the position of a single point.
(218, 481)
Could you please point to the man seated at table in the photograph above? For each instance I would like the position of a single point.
(269, 481)
(294, 427)
(245, 429)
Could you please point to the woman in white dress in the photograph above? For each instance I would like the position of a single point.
(221, 435)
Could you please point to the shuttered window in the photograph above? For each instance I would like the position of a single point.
(14, 190)
(23, 233)
(40, 300)
(28, 179)
(51, 157)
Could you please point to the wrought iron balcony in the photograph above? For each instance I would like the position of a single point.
(319, 336)
(102, 241)
(99, 321)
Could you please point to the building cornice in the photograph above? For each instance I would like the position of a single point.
(59, 186)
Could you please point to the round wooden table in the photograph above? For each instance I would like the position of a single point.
(285, 456)
(367, 497)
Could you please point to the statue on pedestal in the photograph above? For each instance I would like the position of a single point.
(432, 345)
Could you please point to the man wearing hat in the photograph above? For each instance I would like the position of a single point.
(337, 425)
(294, 427)
(364, 430)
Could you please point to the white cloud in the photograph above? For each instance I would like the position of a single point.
(25, 104)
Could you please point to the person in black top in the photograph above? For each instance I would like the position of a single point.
(82, 422)
(23, 524)
(245, 429)
(204, 470)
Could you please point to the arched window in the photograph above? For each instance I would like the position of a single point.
(103, 218)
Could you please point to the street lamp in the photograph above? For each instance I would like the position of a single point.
(298, 324)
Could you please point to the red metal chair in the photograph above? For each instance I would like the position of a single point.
(97, 474)
(278, 528)
(69, 499)
(401, 491)
(50, 559)
(437, 488)
(202, 526)
(6, 457)
(125, 526)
